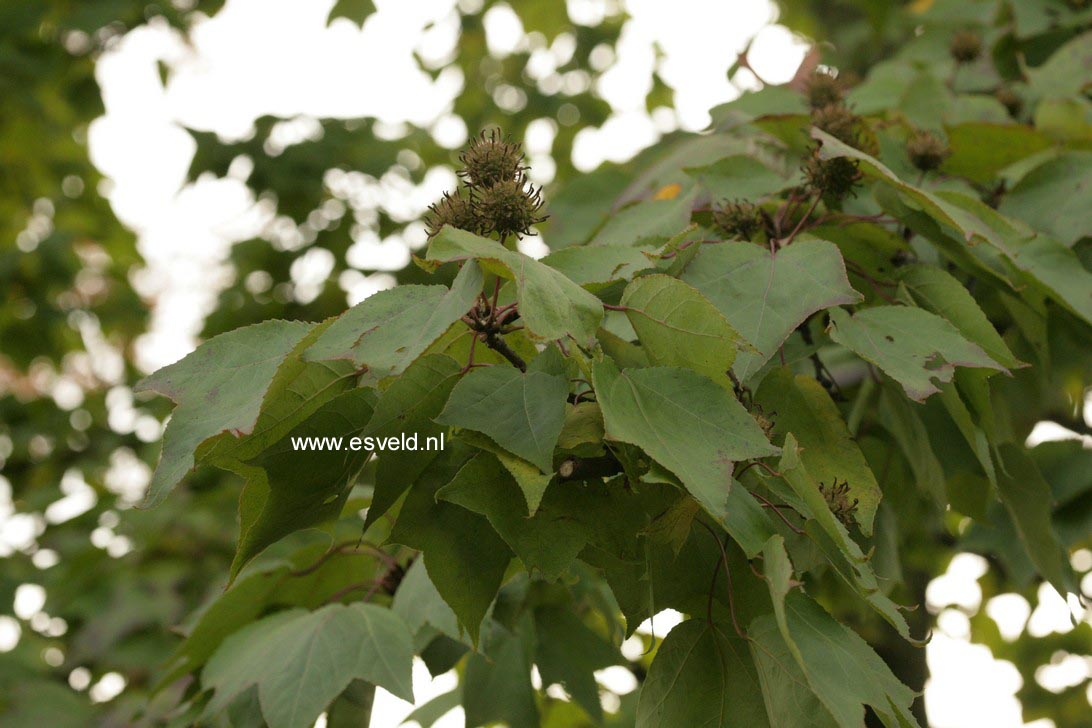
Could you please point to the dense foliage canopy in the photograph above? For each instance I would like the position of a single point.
(772, 375)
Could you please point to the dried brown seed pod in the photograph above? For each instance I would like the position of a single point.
(832, 178)
(454, 210)
(966, 46)
(1010, 100)
(738, 219)
(926, 151)
(839, 122)
(823, 89)
(837, 498)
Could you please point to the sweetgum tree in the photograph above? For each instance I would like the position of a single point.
(772, 376)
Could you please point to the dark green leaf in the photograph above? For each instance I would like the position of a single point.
(301, 660)
(703, 675)
(1028, 500)
(465, 557)
(695, 429)
(799, 404)
(521, 412)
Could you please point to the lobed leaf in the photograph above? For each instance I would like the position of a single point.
(764, 295)
(219, 387)
(694, 428)
(523, 412)
(912, 346)
(300, 661)
(383, 334)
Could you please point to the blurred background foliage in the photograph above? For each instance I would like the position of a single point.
(117, 581)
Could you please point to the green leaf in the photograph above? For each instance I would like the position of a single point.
(913, 346)
(594, 267)
(238, 606)
(980, 150)
(548, 541)
(695, 429)
(410, 404)
(829, 452)
(465, 557)
(497, 684)
(768, 101)
(1028, 499)
(766, 296)
(739, 177)
(899, 417)
(1044, 260)
(288, 488)
(790, 703)
(550, 305)
(581, 204)
(300, 660)
(648, 221)
(521, 412)
(219, 388)
(936, 290)
(678, 326)
(582, 433)
(703, 675)
(969, 428)
(1059, 272)
(673, 525)
(355, 10)
(1065, 73)
(532, 481)
(386, 332)
(353, 708)
(1054, 197)
(568, 653)
(422, 608)
(842, 670)
(834, 540)
(298, 389)
(426, 715)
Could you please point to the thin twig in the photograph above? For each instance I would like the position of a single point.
(773, 507)
(341, 548)
(727, 575)
(373, 585)
(799, 225)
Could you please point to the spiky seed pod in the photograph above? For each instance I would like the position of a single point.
(837, 498)
(839, 122)
(966, 46)
(823, 90)
(738, 219)
(832, 178)
(1010, 100)
(926, 151)
(454, 210)
(764, 420)
(491, 159)
(509, 207)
